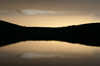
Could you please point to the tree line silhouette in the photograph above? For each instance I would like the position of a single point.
(87, 34)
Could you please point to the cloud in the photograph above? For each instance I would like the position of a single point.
(69, 12)
(36, 12)
(46, 12)
(3, 11)
(33, 11)
(9, 12)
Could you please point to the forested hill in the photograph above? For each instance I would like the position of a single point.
(4, 24)
(87, 34)
(9, 28)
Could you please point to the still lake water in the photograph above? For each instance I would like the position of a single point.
(49, 53)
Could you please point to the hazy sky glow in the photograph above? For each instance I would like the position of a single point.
(49, 13)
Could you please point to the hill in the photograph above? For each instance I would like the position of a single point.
(9, 28)
(87, 34)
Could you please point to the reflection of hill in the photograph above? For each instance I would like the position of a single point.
(87, 34)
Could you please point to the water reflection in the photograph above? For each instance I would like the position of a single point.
(45, 52)
(10, 39)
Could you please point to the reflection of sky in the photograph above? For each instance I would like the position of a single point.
(44, 52)
(52, 47)
(50, 13)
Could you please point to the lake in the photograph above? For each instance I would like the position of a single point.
(49, 53)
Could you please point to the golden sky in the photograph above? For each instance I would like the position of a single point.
(50, 13)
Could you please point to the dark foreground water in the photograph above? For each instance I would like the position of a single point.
(49, 53)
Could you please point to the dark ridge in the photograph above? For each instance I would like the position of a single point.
(87, 34)
(9, 28)
(5, 24)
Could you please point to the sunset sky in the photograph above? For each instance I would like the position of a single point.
(49, 13)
